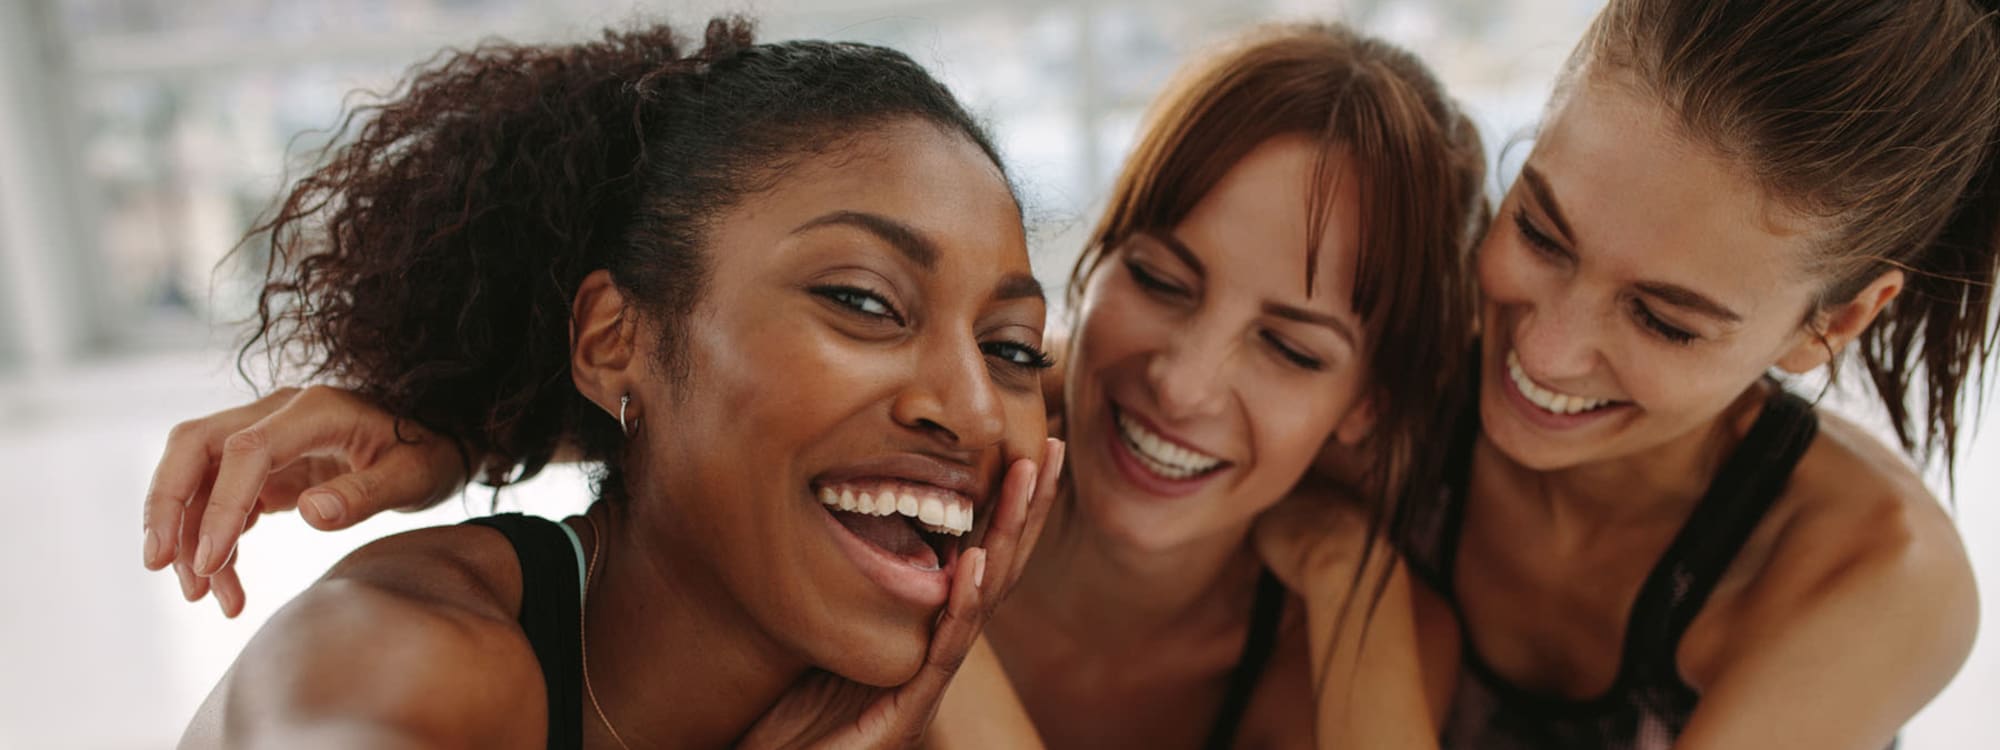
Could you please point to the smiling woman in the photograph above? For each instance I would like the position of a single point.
(511, 251)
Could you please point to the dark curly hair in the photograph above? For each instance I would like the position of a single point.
(430, 262)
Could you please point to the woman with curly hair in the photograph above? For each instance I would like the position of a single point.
(778, 292)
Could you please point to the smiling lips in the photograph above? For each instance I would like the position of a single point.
(1161, 456)
(938, 510)
(1548, 400)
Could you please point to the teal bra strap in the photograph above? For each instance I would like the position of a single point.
(582, 568)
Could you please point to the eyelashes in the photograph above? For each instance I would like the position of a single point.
(1641, 313)
(875, 308)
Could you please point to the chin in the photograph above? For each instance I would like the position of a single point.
(884, 655)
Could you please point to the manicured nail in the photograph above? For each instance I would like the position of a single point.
(326, 505)
(152, 546)
(979, 570)
(201, 556)
(225, 600)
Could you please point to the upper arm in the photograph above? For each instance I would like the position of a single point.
(1839, 651)
(980, 709)
(351, 664)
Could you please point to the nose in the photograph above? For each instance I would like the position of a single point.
(1188, 375)
(951, 398)
(1558, 338)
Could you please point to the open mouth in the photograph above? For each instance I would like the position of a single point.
(1160, 456)
(903, 533)
(1550, 402)
(919, 524)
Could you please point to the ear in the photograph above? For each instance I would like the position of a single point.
(602, 333)
(1841, 324)
(1359, 422)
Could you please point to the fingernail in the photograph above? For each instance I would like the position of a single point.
(201, 553)
(226, 600)
(152, 546)
(323, 504)
(979, 570)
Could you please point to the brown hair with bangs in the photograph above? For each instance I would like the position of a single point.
(1423, 205)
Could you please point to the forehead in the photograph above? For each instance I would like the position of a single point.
(937, 183)
(1646, 201)
(1253, 225)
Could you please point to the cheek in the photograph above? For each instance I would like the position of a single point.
(1291, 425)
(1508, 273)
(1114, 323)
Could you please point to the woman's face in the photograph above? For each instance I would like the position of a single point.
(868, 329)
(1203, 377)
(1635, 284)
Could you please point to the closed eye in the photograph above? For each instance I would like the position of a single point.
(1151, 282)
(1292, 354)
(1537, 238)
(1659, 326)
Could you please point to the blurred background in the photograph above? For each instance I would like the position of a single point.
(139, 138)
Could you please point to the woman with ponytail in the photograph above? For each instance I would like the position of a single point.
(513, 252)
(1647, 540)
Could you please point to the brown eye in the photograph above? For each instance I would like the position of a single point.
(860, 301)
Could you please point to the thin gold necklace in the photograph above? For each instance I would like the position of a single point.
(583, 629)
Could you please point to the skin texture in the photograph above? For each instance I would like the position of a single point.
(723, 570)
(1854, 582)
(1131, 617)
(1142, 612)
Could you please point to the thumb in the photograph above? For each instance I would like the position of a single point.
(356, 496)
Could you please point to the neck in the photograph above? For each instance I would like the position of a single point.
(671, 658)
(1658, 485)
(1101, 589)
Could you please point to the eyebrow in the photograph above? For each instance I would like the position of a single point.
(1019, 286)
(1547, 199)
(906, 239)
(1303, 315)
(1683, 297)
(919, 249)
(1180, 250)
(1274, 309)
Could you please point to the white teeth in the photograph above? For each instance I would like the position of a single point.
(1549, 401)
(939, 512)
(1161, 456)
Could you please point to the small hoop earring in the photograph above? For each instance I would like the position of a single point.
(624, 401)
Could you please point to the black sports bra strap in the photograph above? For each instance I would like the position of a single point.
(1263, 638)
(550, 616)
(1750, 481)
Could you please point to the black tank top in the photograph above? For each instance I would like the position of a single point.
(552, 571)
(1648, 704)
(551, 614)
(1257, 648)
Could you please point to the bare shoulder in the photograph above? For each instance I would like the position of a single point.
(410, 640)
(1857, 535)
(1855, 507)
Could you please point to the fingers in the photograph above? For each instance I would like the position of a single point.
(228, 590)
(185, 465)
(407, 477)
(964, 617)
(193, 587)
(317, 421)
